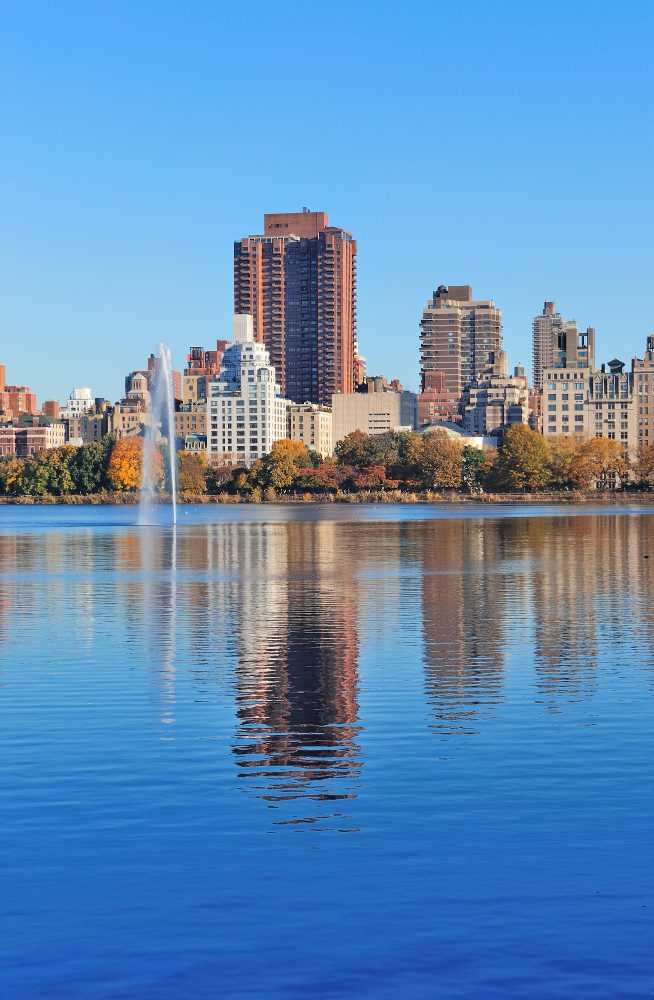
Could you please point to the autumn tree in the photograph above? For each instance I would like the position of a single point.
(563, 452)
(357, 449)
(192, 472)
(439, 460)
(599, 461)
(523, 460)
(644, 465)
(280, 467)
(125, 464)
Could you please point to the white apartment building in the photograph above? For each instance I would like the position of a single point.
(247, 412)
(80, 401)
(311, 425)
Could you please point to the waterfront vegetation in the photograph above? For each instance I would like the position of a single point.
(393, 466)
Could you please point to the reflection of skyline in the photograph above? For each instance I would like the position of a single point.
(296, 674)
(273, 621)
(462, 619)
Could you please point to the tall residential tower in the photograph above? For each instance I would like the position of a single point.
(459, 336)
(298, 282)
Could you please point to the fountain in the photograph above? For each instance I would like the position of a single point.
(161, 420)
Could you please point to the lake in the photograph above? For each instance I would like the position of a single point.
(327, 751)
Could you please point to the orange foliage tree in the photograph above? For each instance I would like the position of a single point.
(124, 471)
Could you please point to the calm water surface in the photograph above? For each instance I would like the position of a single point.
(327, 752)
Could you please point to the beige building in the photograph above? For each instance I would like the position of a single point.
(312, 425)
(612, 405)
(191, 419)
(643, 377)
(493, 403)
(545, 338)
(457, 335)
(566, 385)
(86, 427)
(372, 412)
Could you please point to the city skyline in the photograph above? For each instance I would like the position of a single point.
(127, 181)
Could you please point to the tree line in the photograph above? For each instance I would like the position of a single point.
(402, 461)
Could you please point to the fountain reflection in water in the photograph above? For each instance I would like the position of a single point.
(161, 421)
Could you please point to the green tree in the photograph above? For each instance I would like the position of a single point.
(88, 467)
(476, 467)
(523, 461)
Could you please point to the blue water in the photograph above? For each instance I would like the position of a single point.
(327, 752)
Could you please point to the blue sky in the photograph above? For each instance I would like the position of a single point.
(504, 145)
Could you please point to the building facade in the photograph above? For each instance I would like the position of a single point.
(457, 334)
(298, 282)
(643, 377)
(80, 401)
(23, 442)
(545, 330)
(15, 400)
(191, 418)
(436, 402)
(246, 411)
(86, 427)
(373, 412)
(311, 424)
(492, 404)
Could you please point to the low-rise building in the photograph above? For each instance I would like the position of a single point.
(311, 424)
(372, 412)
(23, 442)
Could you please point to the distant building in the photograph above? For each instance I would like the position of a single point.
(372, 412)
(436, 402)
(643, 377)
(201, 367)
(494, 402)
(457, 333)
(311, 424)
(175, 377)
(566, 384)
(298, 282)
(247, 412)
(15, 400)
(196, 443)
(191, 419)
(545, 332)
(51, 409)
(86, 427)
(612, 405)
(465, 438)
(79, 401)
(23, 442)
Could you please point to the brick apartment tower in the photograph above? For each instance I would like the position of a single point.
(298, 282)
(457, 337)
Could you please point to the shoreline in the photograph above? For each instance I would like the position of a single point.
(374, 497)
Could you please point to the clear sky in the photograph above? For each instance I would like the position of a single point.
(504, 145)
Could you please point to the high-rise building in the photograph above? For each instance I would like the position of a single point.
(298, 282)
(247, 412)
(80, 401)
(457, 336)
(545, 330)
(643, 377)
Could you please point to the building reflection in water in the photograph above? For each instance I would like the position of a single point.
(296, 674)
(463, 620)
